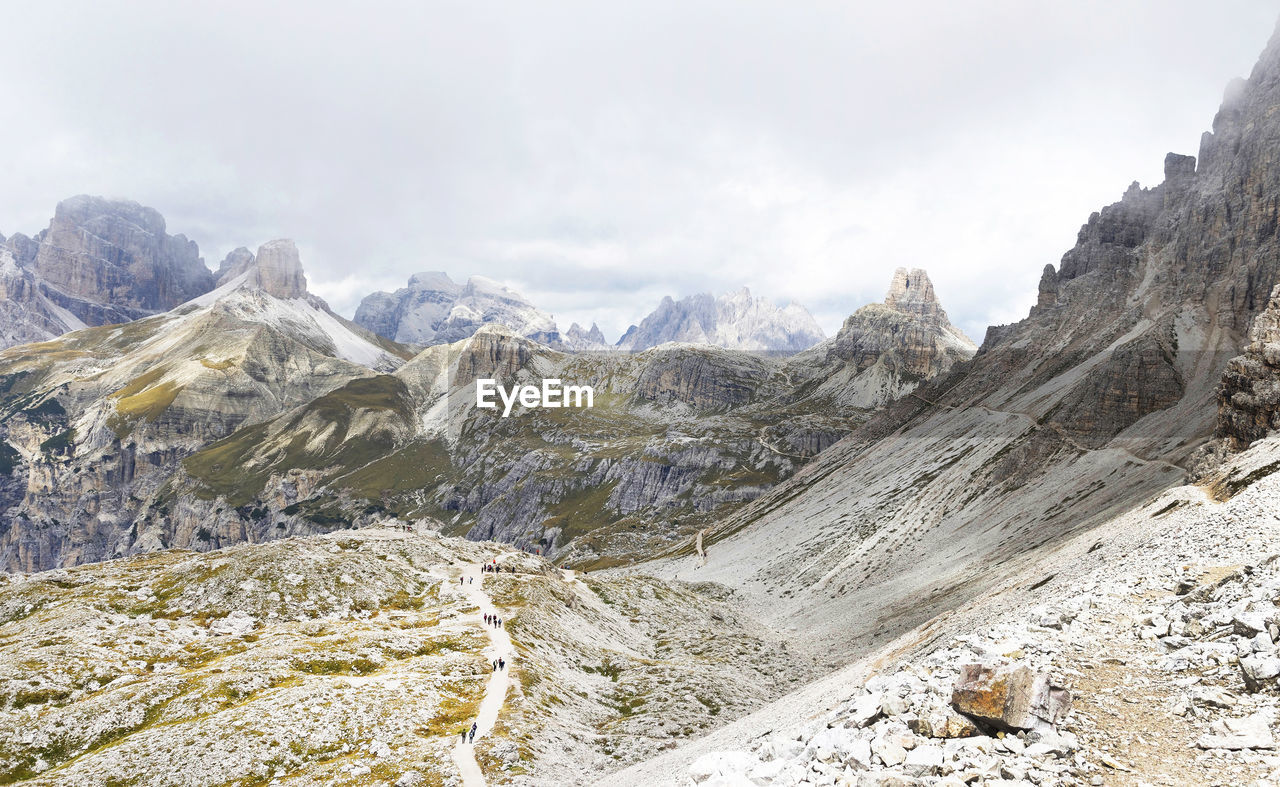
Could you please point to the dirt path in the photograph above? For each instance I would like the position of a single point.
(495, 693)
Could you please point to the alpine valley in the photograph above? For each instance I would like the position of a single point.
(244, 536)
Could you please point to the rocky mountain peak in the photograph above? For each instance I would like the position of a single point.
(579, 340)
(117, 253)
(99, 261)
(909, 335)
(434, 309)
(911, 291)
(235, 263)
(276, 269)
(279, 269)
(438, 281)
(735, 320)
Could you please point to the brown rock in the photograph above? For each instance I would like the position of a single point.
(1012, 698)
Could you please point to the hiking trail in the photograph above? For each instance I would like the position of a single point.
(495, 693)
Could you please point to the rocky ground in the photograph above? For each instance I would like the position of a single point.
(1161, 624)
(355, 658)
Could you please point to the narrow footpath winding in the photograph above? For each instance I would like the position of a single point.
(495, 693)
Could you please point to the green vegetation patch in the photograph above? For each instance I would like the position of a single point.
(413, 467)
(238, 466)
(60, 443)
(582, 511)
(145, 397)
(9, 458)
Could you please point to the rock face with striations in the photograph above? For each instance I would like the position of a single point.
(1249, 397)
(434, 309)
(884, 350)
(116, 254)
(735, 321)
(278, 270)
(99, 261)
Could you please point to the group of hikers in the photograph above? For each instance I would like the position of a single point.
(490, 619)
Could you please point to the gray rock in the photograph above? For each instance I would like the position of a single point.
(1251, 732)
(1260, 672)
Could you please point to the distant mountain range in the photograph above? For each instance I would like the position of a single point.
(434, 309)
(735, 321)
(105, 261)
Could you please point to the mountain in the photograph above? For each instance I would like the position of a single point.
(679, 435)
(884, 350)
(1052, 561)
(735, 321)
(434, 309)
(96, 422)
(1106, 394)
(99, 261)
(253, 412)
(577, 340)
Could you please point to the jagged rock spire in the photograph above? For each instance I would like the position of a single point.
(276, 269)
(911, 292)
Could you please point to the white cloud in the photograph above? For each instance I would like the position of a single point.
(597, 156)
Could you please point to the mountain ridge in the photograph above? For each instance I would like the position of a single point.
(735, 321)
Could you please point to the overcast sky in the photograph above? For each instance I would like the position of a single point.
(599, 155)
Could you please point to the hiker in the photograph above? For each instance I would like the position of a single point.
(495, 665)
(473, 732)
(464, 734)
(501, 664)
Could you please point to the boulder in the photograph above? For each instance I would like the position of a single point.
(1251, 732)
(866, 709)
(1260, 672)
(943, 722)
(1009, 697)
(924, 760)
(889, 752)
(238, 624)
(722, 767)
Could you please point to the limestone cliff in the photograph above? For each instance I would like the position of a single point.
(1249, 397)
(98, 262)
